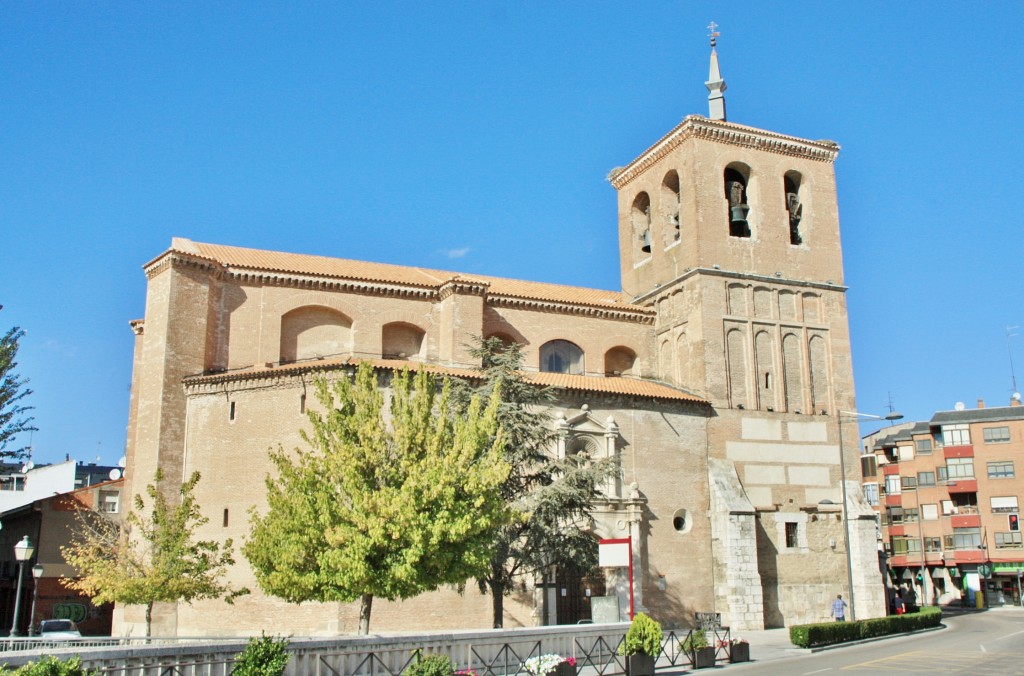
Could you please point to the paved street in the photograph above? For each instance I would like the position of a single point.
(987, 644)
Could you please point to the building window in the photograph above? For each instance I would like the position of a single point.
(110, 502)
(736, 194)
(868, 466)
(924, 446)
(947, 508)
(1004, 504)
(1009, 540)
(895, 515)
(904, 544)
(997, 435)
(905, 452)
(225, 522)
(1002, 469)
(964, 538)
(960, 468)
(871, 493)
(941, 474)
(231, 411)
(909, 483)
(956, 435)
(792, 541)
(892, 484)
(561, 356)
(933, 544)
(910, 515)
(791, 184)
(640, 217)
(930, 512)
(926, 478)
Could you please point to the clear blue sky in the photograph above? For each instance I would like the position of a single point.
(476, 136)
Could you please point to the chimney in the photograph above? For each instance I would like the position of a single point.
(1015, 400)
(981, 403)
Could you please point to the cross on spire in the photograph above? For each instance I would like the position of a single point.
(713, 27)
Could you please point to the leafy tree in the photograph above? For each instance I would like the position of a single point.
(551, 498)
(13, 420)
(153, 557)
(386, 506)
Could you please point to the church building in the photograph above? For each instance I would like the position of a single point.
(716, 376)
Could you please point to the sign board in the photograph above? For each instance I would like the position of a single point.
(708, 621)
(605, 609)
(613, 554)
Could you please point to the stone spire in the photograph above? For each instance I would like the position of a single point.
(715, 83)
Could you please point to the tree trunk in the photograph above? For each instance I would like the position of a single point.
(497, 601)
(149, 620)
(365, 604)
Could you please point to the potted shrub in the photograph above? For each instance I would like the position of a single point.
(263, 656)
(642, 645)
(550, 665)
(696, 646)
(430, 665)
(739, 650)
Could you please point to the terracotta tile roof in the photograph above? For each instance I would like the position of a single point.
(625, 386)
(341, 268)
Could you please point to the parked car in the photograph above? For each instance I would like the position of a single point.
(58, 629)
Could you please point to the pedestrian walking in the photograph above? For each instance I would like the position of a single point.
(898, 602)
(839, 608)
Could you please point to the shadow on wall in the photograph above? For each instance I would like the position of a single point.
(767, 567)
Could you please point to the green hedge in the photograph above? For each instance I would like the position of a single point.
(827, 633)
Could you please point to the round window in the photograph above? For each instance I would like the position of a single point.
(681, 521)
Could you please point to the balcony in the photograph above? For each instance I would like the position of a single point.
(965, 520)
(962, 486)
(967, 555)
(958, 452)
(889, 470)
(893, 500)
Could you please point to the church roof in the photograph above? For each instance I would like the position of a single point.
(618, 385)
(239, 259)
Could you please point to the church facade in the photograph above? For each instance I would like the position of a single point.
(716, 375)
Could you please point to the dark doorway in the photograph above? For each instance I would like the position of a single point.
(574, 588)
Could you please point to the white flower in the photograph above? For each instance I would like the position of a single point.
(542, 664)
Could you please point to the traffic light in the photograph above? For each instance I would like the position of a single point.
(1014, 520)
(920, 577)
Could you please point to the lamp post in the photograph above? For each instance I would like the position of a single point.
(23, 551)
(37, 574)
(846, 510)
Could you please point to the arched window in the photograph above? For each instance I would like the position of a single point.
(314, 332)
(736, 196)
(400, 340)
(640, 218)
(670, 207)
(791, 183)
(561, 356)
(619, 361)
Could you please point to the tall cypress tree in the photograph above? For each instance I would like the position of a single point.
(13, 418)
(551, 498)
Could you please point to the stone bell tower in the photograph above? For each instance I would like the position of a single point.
(732, 234)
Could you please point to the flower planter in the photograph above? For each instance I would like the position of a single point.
(739, 652)
(563, 669)
(639, 665)
(703, 658)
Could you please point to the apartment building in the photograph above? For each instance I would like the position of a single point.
(947, 492)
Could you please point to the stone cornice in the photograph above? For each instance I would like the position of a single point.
(174, 259)
(718, 131)
(463, 287)
(627, 313)
(318, 283)
(777, 281)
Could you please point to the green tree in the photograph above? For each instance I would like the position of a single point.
(551, 498)
(381, 506)
(153, 557)
(13, 418)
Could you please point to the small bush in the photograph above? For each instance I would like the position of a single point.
(827, 633)
(643, 638)
(51, 666)
(696, 640)
(263, 656)
(430, 665)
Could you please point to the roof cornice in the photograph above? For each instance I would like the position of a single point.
(729, 133)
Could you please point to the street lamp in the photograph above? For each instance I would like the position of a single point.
(23, 551)
(37, 573)
(846, 510)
